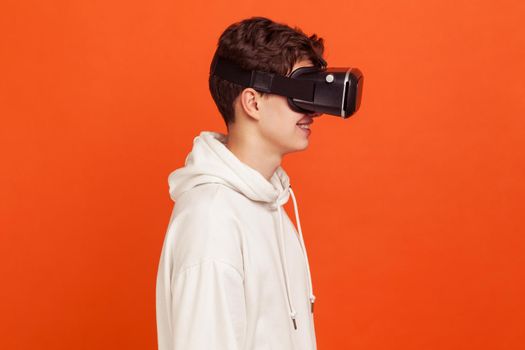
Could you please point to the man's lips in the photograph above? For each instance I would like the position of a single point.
(305, 121)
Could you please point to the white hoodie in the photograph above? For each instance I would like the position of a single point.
(233, 272)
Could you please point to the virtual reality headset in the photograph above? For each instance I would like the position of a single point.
(318, 89)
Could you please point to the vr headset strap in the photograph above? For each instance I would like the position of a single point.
(263, 81)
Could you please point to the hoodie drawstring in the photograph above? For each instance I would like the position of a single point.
(288, 294)
(281, 239)
(311, 290)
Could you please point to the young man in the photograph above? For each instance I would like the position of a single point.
(234, 273)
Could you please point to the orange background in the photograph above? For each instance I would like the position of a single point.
(412, 210)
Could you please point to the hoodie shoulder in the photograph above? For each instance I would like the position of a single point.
(202, 229)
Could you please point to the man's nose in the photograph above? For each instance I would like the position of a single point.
(315, 114)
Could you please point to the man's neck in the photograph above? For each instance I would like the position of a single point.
(254, 153)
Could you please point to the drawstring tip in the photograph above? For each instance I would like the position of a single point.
(292, 315)
(312, 308)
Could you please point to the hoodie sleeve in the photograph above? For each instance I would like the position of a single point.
(200, 282)
(208, 307)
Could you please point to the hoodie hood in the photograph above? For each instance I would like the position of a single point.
(210, 161)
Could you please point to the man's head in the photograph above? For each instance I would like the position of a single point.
(258, 43)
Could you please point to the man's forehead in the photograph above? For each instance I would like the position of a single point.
(302, 63)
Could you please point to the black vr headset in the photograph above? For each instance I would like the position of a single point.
(334, 91)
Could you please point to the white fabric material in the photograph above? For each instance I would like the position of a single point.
(233, 272)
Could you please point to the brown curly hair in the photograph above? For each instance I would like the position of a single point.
(258, 43)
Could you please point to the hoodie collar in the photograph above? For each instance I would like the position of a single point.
(210, 161)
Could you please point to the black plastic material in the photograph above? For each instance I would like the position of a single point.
(307, 88)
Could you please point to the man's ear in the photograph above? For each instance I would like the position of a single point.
(249, 100)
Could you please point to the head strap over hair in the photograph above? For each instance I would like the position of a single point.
(263, 81)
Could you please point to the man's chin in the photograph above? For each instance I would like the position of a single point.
(299, 147)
